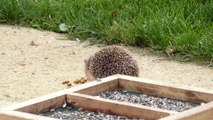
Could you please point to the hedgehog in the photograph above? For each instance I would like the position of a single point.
(109, 61)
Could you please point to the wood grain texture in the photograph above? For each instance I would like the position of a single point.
(204, 112)
(101, 87)
(57, 99)
(39, 105)
(15, 115)
(165, 90)
(80, 96)
(95, 103)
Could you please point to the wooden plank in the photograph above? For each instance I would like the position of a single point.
(15, 115)
(204, 112)
(47, 102)
(54, 100)
(94, 103)
(57, 99)
(38, 105)
(165, 90)
(102, 87)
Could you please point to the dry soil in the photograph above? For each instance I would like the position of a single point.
(34, 63)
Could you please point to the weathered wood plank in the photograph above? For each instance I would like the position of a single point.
(38, 105)
(96, 86)
(204, 112)
(94, 103)
(15, 115)
(57, 99)
(165, 90)
(84, 100)
(101, 87)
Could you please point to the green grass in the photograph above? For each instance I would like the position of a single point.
(186, 26)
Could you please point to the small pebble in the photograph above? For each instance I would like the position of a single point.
(148, 100)
(64, 105)
(3, 53)
(52, 110)
(69, 113)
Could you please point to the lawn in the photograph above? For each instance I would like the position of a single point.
(181, 28)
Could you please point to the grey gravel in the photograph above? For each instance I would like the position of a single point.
(69, 113)
(149, 100)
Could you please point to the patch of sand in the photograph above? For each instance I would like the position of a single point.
(29, 70)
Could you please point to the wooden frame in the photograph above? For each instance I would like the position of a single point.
(203, 112)
(80, 95)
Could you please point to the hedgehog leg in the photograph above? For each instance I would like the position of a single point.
(88, 74)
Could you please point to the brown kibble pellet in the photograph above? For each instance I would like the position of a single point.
(65, 82)
(69, 84)
(76, 81)
(83, 81)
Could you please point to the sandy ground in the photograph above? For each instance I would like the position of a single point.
(29, 70)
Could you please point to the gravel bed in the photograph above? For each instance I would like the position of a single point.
(148, 100)
(69, 113)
